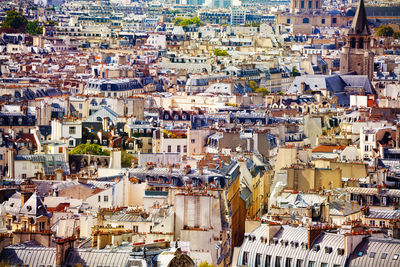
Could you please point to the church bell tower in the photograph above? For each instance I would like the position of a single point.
(356, 55)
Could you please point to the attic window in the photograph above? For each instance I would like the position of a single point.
(383, 256)
(29, 208)
(372, 255)
(360, 253)
(340, 251)
(328, 250)
(316, 248)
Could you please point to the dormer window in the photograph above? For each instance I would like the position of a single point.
(316, 248)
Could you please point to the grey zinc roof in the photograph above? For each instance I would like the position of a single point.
(333, 241)
(336, 84)
(343, 208)
(373, 191)
(378, 246)
(43, 256)
(90, 257)
(287, 236)
(128, 218)
(29, 256)
(358, 81)
(51, 162)
(102, 113)
(32, 207)
(383, 214)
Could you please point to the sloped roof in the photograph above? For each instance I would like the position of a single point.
(343, 208)
(102, 113)
(43, 256)
(21, 255)
(378, 246)
(360, 21)
(33, 207)
(327, 149)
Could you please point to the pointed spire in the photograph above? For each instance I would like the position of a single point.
(360, 21)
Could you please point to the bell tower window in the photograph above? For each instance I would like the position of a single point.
(353, 42)
(361, 43)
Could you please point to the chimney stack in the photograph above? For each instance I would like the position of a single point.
(395, 225)
(11, 163)
(187, 169)
(62, 247)
(365, 210)
(303, 87)
(27, 190)
(312, 234)
(272, 229)
(351, 241)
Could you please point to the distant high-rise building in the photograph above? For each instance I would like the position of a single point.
(221, 3)
(238, 16)
(356, 55)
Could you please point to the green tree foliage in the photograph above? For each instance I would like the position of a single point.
(186, 22)
(89, 149)
(33, 28)
(205, 264)
(220, 53)
(126, 159)
(385, 30)
(263, 90)
(14, 20)
(295, 72)
(174, 11)
(253, 85)
(281, 93)
(52, 22)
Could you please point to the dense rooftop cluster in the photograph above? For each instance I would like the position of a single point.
(210, 133)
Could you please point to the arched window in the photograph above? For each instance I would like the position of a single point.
(353, 42)
(306, 20)
(361, 43)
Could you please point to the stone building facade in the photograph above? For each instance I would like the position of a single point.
(356, 55)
